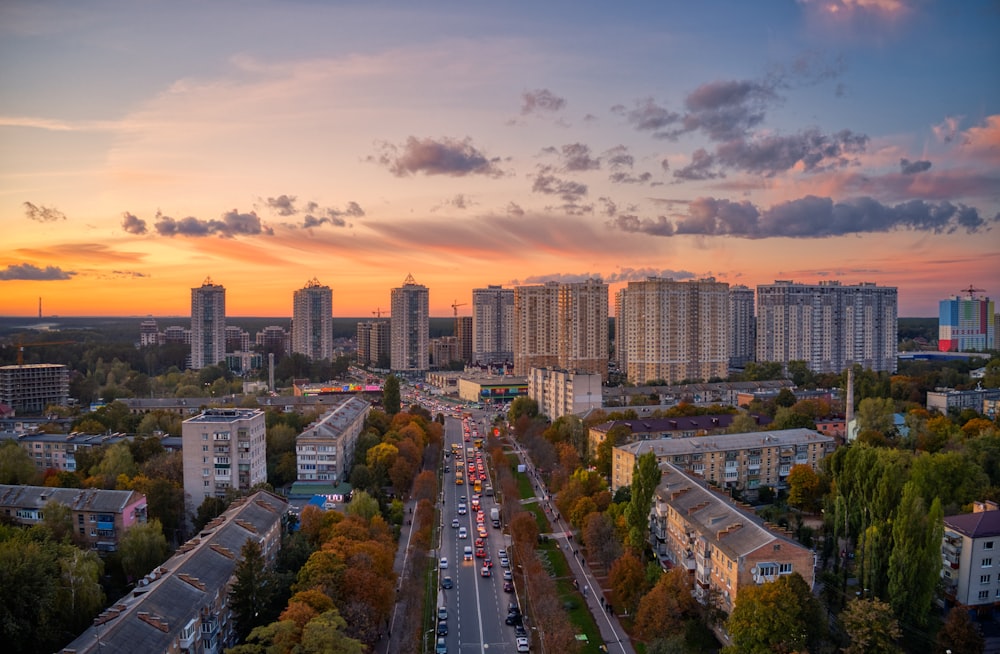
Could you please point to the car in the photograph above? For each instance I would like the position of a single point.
(480, 553)
(468, 553)
(512, 606)
(502, 553)
(444, 562)
(447, 468)
(441, 647)
(508, 586)
(488, 562)
(519, 630)
(462, 498)
(504, 562)
(496, 524)
(454, 523)
(513, 619)
(485, 572)
(463, 532)
(447, 583)
(461, 509)
(522, 644)
(507, 575)
(442, 629)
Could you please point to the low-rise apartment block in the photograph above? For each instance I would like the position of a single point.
(725, 547)
(183, 605)
(324, 452)
(223, 449)
(951, 400)
(100, 517)
(564, 392)
(678, 427)
(743, 462)
(970, 554)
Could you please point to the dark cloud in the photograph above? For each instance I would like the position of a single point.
(642, 274)
(568, 190)
(42, 214)
(774, 154)
(700, 167)
(576, 157)
(811, 217)
(129, 273)
(132, 224)
(618, 157)
(514, 209)
(623, 177)
(908, 167)
(647, 116)
(730, 93)
(28, 272)
(665, 165)
(442, 157)
(540, 100)
(283, 205)
(332, 216)
(231, 224)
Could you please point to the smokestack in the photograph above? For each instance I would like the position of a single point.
(39, 307)
(849, 402)
(270, 371)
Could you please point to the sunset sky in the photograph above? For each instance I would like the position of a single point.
(145, 146)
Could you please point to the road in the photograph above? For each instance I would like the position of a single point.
(477, 605)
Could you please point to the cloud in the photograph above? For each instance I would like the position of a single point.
(618, 157)
(446, 156)
(96, 253)
(858, 10)
(647, 116)
(562, 278)
(813, 150)
(28, 272)
(514, 209)
(623, 177)
(700, 167)
(642, 274)
(42, 214)
(540, 100)
(331, 216)
(983, 142)
(947, 129)
(576, 157)
(283, 205)
(132, 224)
(568, 190)
(908, 167)
(232, 223)
(810, 217)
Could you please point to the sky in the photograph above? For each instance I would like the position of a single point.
(147, 146)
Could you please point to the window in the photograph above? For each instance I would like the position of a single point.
(988, 562)
(984, 579)
(984, 594)
(785, 568)
(204, 448)
(207, 482)
(988, 545)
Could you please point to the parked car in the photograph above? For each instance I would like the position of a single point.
(442, 629)
(447, 583)
(522, 644)
(508, 586)
(444, 562)
(441, 647)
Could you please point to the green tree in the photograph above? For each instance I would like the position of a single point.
(324, 634)
(210, 508)
(29, 574)
(876, 414)
(80, 596)
(390, 395)
(645, 479)
(142, 548)
(780, 616)
(522, 406)
(617, 435)
(916, 554)
(871, 627)
(363, 505)
(253, 592)
(117, 461)
(742, 423)
(16, 466)
(785, 398)
(803, 487)
(57, 518)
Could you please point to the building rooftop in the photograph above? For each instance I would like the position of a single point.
(224, 415)
(974, 525)
(152, 616)
(77, 499)
(332, 423)
(709, 422)
(722, 442)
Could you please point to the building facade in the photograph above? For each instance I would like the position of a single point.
(722, 546)
(951, 400)
(324, 451)
(490, 389)
(743, 462)
(312, 321)
(827, 325)
(32, 387)
(561, 326)
(374, 343)
(100, 517)
(673, 330)
(564, 392)
(444, 350)
(223, 450)
(410, 328)
(208, 325)
(966, 324)
(492, 325)
(742, 326)
(149, 332)
(969, 551)
(641, 429)
(183, 606)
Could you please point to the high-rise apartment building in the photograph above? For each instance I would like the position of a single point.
(673, 330)
(410, 320)
(463, 332)
(312, 321)
(149, 333)
(208, 325)
(561, 326)
(966, 324)
(742, 326)
(827, 325)
(492, 325)
(32, 387)
(223, 449)
(374, 343)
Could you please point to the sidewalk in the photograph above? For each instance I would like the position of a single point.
(390, 643)
(614, 635)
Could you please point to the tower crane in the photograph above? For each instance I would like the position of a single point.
(21, 345)
(455, 305)
(972, 290)
(377, 312)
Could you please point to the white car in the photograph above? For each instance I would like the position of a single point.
(444, 562)
(463, 532)
(522, 644)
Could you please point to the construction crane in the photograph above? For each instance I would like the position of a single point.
(21, 345)
(972, 290)
(455, 305)
(377, 312)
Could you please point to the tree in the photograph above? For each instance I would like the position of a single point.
(628, 580)
(522, 406)
(779, 616)
(601, 538)
(803, 487)
(645, 479)
(253, 593)
(916, 552)
(142, 547)
(876, 414)
(29, 575)
(117, 461)
(211, 508)
(871, 627)
(742, 423)
(80, 596)
(785, 398)
(663, 609)
(960, 634)
(362, 505)
(617, 435)
(58, 519)
(16, 466)
(390, 395)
